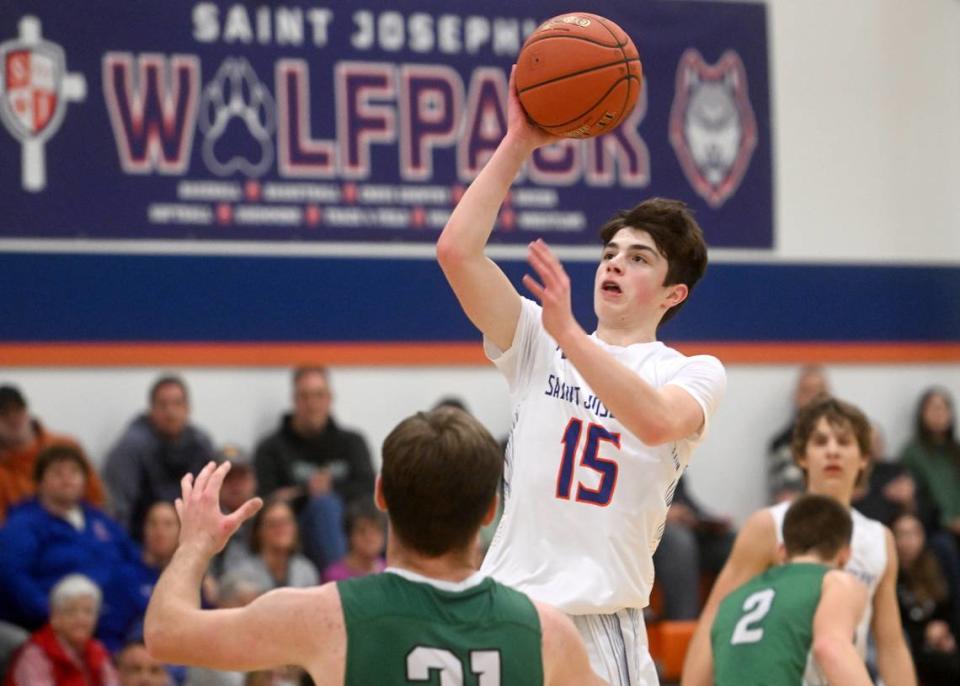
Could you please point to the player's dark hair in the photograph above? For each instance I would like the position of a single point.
(676, 234)
(440, 474)
(167, 380)
(839, 414)
(816, 524)
(59, 452)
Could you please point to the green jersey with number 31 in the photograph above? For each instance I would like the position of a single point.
(406, 629)
(763, 630)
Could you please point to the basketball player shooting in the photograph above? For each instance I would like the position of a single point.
(604, 423)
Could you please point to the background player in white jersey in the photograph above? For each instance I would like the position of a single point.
(604, 424)
(831, 442)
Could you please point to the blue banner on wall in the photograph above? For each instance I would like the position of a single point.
(359, 121)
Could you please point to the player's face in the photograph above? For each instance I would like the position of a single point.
(832, 459)
(630, 278)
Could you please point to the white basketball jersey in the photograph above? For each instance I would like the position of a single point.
(585, 500)
(868, 559)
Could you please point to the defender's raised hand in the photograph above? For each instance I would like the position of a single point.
(202, 525)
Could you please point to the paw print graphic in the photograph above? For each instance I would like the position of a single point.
(237, 118)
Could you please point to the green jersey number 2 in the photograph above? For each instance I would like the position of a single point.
(421, 661)
(756, 607)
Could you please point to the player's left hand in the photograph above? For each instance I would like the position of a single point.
(553, 290)
(203, 526)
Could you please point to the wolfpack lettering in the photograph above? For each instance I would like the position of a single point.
(417, 110)
(152, 101)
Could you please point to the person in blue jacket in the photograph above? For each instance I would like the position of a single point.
(58, 533)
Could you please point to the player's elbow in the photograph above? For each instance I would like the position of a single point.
(160, 639)
(654, 432)
(449, 252)
(826, 650)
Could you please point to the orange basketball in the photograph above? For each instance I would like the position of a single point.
(578, 75)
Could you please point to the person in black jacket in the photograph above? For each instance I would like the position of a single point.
(316, 465)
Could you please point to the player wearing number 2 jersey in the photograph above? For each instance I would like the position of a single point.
(831, 446)
(604, 424)
(431, 617)
(800, 617)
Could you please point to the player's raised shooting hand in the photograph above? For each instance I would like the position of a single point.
(519, 125)
(553, 290)
(203, 527)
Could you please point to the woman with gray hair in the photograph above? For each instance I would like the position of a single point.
(64, 652)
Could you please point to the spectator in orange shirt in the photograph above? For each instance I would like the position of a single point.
(22, 438)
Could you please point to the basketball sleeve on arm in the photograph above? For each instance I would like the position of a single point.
(519, 360)
(705, 379)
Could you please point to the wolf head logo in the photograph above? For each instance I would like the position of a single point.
(712, 127)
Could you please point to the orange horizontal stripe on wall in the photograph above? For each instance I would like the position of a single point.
(397, 354)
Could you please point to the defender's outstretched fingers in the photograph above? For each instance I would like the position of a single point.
(244, 512)
(200, 483)
(216, 479)
(186, 486)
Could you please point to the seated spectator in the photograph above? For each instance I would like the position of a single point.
(22, 437)
(154, 452)
(933, 457)
(890, 489)
(236, 590)
(925, 606)
(784, 478)
(160, 533)
(694, 544)
(64, 652)
(58, 533)
(274, 543)
(238, 487)
(317, 466)
(365, 527)
(138, 668)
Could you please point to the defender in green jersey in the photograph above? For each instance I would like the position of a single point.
(795, 623)
(430, 618)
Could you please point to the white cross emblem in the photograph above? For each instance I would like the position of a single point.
(34, 90)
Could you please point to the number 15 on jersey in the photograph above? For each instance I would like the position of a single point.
(596, 436)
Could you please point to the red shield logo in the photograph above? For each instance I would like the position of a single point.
(32, 82)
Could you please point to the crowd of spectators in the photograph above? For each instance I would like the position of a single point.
(80, 551)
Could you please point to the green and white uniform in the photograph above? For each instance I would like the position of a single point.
(763, 630)
(404, 628)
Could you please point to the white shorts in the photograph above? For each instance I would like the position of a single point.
(617, 646)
